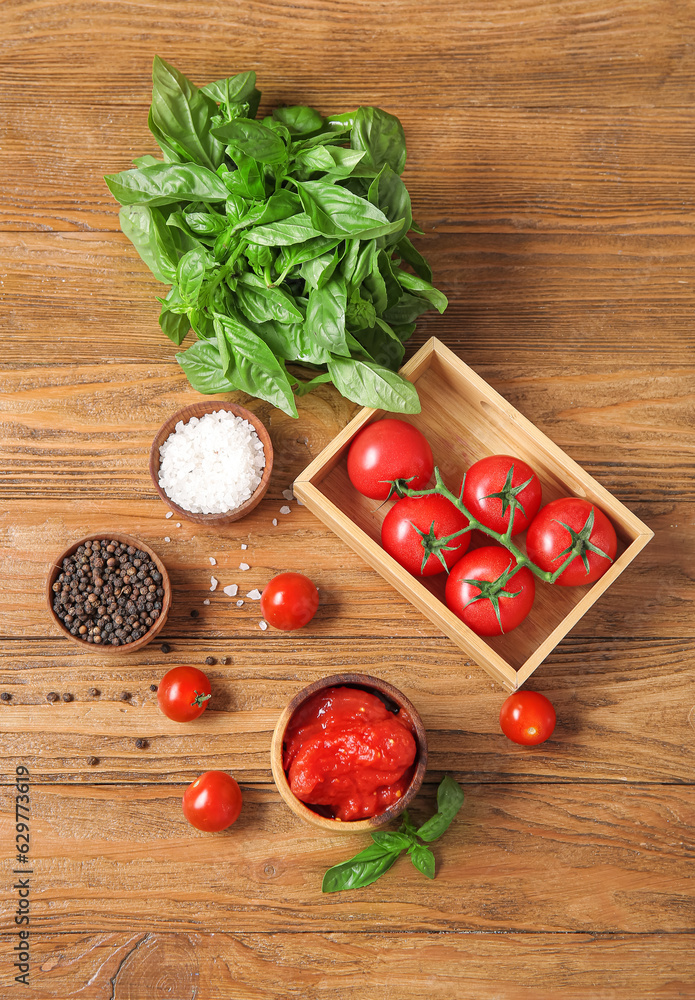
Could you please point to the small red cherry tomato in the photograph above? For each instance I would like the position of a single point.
(183, 693)
(386, 450)
(417, 520)
(498, 484)
(212, 802)
(527, 717)
(565, 522)
(477, 592)
(289, 601)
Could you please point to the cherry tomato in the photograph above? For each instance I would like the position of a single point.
(183, 693)
(492, 490)
(289, 601)
(527, 717)
(212, 802)
(553, 531)
(479, 607)
(386, 450)
(436, 517)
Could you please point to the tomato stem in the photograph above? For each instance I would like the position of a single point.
(504, 539)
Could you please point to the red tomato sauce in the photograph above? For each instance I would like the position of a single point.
(346, 755)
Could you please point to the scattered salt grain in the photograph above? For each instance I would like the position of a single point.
(255, 595)
(213, 583)
(211, 464)
(285, 509)
(300, 502)
(166, 538)
(231, 591)
(169, 513)
(206, 601)
(275, 522)
(213, 562)
(244, 566)
(288, 494)
(178, 524)
(239, 604)
(244, 546)
(263, 625)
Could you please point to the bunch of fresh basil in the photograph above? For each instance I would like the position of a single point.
(282, 239)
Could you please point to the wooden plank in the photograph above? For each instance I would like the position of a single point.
(470, 169)
(589, 858)
(654, 597)
(452, 966)
(625, 709)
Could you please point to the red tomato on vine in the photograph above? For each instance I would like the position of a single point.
(487, 594)
(386, 450)
(412, 530)
(500, 487)
(567, 523)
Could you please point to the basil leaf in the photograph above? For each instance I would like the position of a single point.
(293, 342)
(299, 119)
(254, 139)
(449, 800)
(147, 231)
(418, 286)
(381, 136)
(334, 210)
(329, 137)
(388, 192)
(175, 326)
(239, 89)
(333, 161)
(317, 272)
(166, 183)
(247, 180)
(190, 274)
(393, 288)
(376, 287)
(203, 368)
(181, 114)
(373, 385)
(205, 223)
(279, 206)
(296, 229)
(298, 254)
(412, 256)
(382, 344)
(325, 315)
(253, 367)
(145, 161)
(407, 309)
(423, 859)
(365, 868)
(364, 263)
(261, 303)
(302, 388)
(392, 841)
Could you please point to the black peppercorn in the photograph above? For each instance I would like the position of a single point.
(67, 696)
(194, 613)
(52, 696)
(95, 692)
(5, 696)
(125, 695)
(153, 687)
(209, 660)
(92, 761)
(141, 744)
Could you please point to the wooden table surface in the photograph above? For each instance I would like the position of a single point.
(551, 166)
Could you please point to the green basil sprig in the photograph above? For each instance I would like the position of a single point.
(371, 863)
(284, 241)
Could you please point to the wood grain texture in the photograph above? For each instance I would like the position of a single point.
(550, 163)
(154, 965)
(532, 858)
(608, 694)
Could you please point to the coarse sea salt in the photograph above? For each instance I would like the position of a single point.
(213, 583)
(213, 562)
(212, 464)
(263, 625)
(255, 595)
(285, 509)
(244, 566)
(232, 590)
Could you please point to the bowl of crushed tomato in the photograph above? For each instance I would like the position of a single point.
(349, 753)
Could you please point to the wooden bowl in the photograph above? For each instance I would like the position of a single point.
(300, 808)
(198, 410)
(57, 566)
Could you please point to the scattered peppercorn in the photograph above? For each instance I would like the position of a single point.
(52, 696)
(108, 593)
(153, 687)
(141, 744)
(67, 696)
(92, 761)
(95, 692)
(125, 695)
(165, 647)
(5, 696)
(225, 660)
(209, 660)
(194, 613)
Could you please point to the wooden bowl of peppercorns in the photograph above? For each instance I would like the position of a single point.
(110, 592)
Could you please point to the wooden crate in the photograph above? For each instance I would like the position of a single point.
(464, 420)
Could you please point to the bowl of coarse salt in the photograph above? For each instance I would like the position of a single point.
(211, 462)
